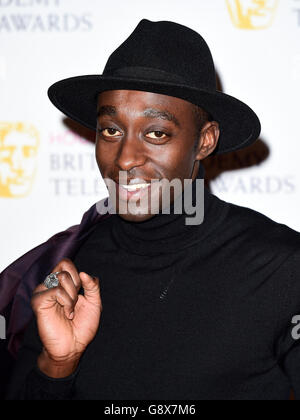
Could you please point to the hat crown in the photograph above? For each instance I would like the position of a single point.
(164, 51)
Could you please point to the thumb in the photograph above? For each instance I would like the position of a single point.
(91, 288)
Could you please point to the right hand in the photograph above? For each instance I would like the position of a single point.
(67, 322)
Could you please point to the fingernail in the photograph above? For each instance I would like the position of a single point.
(71, 315)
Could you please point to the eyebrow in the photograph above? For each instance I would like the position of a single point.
(165, 115)
(148, 113)
(106, 110)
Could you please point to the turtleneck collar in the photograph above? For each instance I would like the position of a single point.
(168, 233)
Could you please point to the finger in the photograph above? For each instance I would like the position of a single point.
(39, 289)
(46, 300)
(65, 300)
(91, 288)
(67, 265)
(67, 283)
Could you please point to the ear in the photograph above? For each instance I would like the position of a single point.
(208, 140)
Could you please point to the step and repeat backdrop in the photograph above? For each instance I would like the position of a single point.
(48, 172)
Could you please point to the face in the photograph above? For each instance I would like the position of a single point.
(149, 138)
(18, 150)
(252, 14)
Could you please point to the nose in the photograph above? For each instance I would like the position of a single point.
(130, 153)
(17, 159)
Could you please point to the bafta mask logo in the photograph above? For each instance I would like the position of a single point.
(252, 14)
(19, 145)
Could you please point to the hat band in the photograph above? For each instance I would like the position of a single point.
(148, 73)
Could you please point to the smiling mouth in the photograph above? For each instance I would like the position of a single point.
(135, 190)
(135, 187)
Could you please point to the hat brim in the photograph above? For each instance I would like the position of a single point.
(77, 97)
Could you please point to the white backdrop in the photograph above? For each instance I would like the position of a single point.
(48, 175)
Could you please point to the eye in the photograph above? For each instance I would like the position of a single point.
(157, 135)
(6, 152)
(110, 132)
(28, 151)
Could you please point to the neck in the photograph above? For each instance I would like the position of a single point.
(165, 233)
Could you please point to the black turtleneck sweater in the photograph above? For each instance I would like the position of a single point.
(189, 312)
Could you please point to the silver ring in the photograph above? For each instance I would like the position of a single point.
(52, 281)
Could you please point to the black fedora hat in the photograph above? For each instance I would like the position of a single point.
(167, 58)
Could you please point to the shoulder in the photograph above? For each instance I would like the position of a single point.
(264, 257)
(260, 230)
(257, 250)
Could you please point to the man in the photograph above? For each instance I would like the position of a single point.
(201, 311)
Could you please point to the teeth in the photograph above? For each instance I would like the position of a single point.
(135, 187)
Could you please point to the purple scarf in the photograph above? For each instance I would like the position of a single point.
(19, 279)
